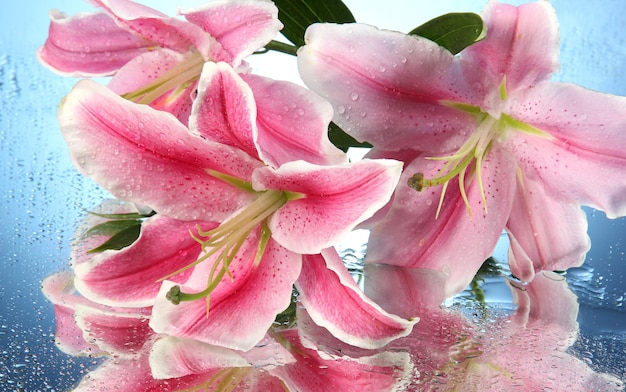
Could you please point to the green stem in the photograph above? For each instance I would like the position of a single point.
(282, 47)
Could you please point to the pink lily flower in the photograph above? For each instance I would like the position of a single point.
(252, 208)
(156, 59)
(489, 142)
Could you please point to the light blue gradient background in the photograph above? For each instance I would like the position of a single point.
(42, 194)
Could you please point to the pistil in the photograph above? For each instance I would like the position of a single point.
(227, 239)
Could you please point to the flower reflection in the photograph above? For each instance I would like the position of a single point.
(526, 349)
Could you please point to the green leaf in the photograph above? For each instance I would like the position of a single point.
(121, 239)
(112, 227)
(454, 31)
(297, 15)
(342, 140)
(130, 215)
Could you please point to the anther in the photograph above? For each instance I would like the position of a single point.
(416, 182)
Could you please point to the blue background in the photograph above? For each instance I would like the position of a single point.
(42, 194)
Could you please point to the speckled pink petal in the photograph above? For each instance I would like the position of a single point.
(522, 43)
(335, 302)
(453, 243)
(145, 68)
(240, 26)
(130, 276)
(167, 32)
(241, 310)
(147, 156)
(336, 199)
(224, 110)
(292, 123)
(88, 45)
(545, 233)
(584, 161)
(386, 87)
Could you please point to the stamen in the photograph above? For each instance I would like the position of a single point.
(178, 77)
(227, 239)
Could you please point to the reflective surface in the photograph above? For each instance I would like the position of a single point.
(43, 196)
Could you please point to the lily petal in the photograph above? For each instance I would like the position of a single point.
(544, 233)
(292, 123)
(241, 310)
(130, 276)
(58, 288)
(147, 156)
(585, 160)
(88, 44)
(134, 375)
(225, 110)
(147, 67)
(522, 43)
(386, 87)
(155, 26)
(453, 242)
(335, 302)
(406, 292)
(240, 26)
(173, 357)
(337, 198)
(312, 372)
(121, 333)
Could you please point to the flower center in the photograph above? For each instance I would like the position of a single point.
(175, 79)
(467, 161)
(226, 240)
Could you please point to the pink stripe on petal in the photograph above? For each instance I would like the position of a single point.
(522, 43)
(157, 27)
(120, 333)
(59, 289)
(240, 26)
(130, 276)
(147, 156)
(313, 371)
(224, 110)
(292, 123)
(386, 87)
(439, 243)
(546, 233)
(240, 311)
(334, 301)
(171, 357)
(337, 198)
(88, 45)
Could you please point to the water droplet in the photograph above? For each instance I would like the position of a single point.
(354, 96)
